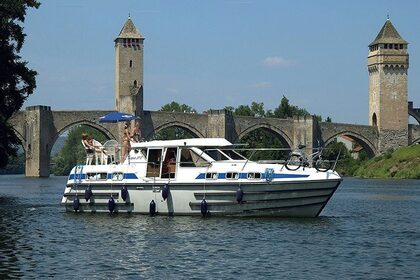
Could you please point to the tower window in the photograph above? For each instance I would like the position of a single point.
(135, 83)
(131, 63)
(374, 120)
(385, 46)
(401, 46)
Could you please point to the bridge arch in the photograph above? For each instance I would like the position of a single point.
(414, 115)
(416, 141)
(92, 124)
(285, 139)
(21, 139)
(366, 144)
(182, 125)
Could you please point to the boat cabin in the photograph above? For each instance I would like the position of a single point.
(161, 159)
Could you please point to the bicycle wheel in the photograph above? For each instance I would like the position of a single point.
(323, 165)
(293, 163)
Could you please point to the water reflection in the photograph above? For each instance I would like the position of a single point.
(11, 232)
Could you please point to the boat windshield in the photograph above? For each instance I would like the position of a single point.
(227, 154)
(215, 154)
(233, 154)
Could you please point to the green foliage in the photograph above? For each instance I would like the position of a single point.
(17, 81)
(264, 138)
(255, 110)
(403, 163)
(334, 149)
(175, 132)
(172, 133)
(176, 107)
(16, 164)
(285, 110)
(243, 110)
(73, 152)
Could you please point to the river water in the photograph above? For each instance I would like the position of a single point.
(369, 230)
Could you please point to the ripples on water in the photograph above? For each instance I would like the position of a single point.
(369, 230)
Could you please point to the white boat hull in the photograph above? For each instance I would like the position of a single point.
(290, 199)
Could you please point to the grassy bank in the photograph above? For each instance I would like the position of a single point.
(403, 163)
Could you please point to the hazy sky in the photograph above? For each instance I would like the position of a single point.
(212, 54)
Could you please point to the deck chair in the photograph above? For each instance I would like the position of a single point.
(111, 150)
(89, 154)
(100, 154)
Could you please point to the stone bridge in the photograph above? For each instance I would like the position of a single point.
(38, 128)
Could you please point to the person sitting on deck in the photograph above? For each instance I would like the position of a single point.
(89, 148)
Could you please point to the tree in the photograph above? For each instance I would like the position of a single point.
(17, 81)
(175, 132)
(243, 110)
(256, 110)
(285, 110)
(176, 107)
(264, 138)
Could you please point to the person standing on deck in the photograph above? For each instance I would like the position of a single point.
(126, 141)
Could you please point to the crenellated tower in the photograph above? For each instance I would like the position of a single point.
(388, 104)
(129, 70)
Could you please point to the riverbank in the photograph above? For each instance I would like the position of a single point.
(403, 163)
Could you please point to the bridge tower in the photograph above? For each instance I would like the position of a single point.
(129, 70)
(388, 104)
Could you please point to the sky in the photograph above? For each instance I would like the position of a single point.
(212, 54)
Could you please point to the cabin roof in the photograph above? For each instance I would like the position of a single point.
(192, 142)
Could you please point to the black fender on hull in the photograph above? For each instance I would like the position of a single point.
(88, 193)
(165, 191)
(111, 205)
(76, 204)
(152, 208)
(124, 193)
(239, 195)
(204, 207)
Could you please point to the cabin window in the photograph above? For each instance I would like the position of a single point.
(117, 176)
(189, 158)
(142, 151)
(232, 175)
(169, 163)
(96, 176)
(153, 163)
(254, 175)
(211, 175)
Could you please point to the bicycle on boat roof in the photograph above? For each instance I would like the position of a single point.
(298, 158)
